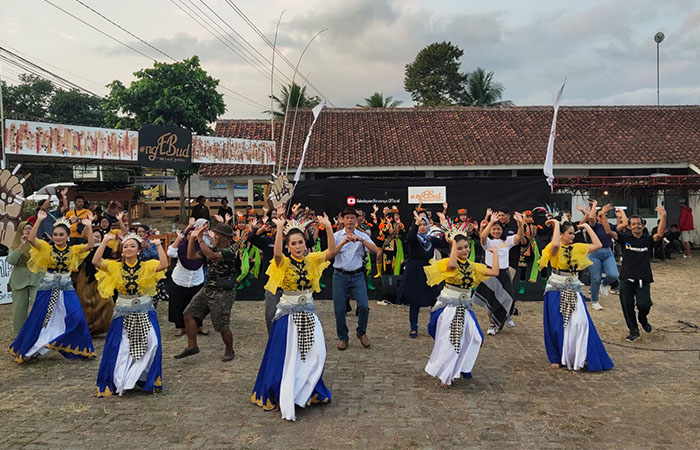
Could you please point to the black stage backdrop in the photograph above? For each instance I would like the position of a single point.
(477, 194)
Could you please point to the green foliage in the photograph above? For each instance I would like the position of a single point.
(377, 100)
(481, 90)
(76, 108)
(179, 94)
(295, 96)
(29, 100)
(433, 78)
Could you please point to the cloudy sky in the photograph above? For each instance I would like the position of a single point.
(604, 48)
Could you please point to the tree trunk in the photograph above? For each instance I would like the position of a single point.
(181, 182)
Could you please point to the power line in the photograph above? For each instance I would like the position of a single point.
(99, 31)
(125, 30)
(271, 45)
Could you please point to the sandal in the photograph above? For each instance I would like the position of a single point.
(179, 332)
(413, 334)
(203, 332)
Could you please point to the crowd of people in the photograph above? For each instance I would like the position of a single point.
(89, 272)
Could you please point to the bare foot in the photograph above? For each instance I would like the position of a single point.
(443, 386)
(555, 366)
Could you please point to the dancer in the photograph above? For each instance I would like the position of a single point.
(97, 309)
(457, 334)
(56, 321)
(133, 350)
(636, 276)
(413, 290)
(23, 282)
(496, 294)
(219, 291)
(529, 252)
(292, 366)
(570, 337)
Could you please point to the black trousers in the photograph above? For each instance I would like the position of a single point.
(631, 295)
(180, 297)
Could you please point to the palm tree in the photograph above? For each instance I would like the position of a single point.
(377, 100)
(481, 90)
(295, 96)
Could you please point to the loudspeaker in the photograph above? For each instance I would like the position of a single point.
(390, 286)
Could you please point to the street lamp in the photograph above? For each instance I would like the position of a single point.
(658, 38)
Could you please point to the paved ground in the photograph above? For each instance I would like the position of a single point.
(381, 397)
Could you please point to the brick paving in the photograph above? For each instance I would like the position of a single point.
(381, 396)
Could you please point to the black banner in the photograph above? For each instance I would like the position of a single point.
(474, 193)
(165, 147)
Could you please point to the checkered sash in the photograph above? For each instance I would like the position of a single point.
(567, 304)
(52, 305)
(305, 323)
(457, 327)
(137, 327)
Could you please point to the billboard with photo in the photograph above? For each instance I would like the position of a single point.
(221, 150)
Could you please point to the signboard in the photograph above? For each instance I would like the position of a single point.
(49, 139)
(427, 194)
(154, 180)
(165, 147)
(5, 271)
(85, 172)
(220, 150)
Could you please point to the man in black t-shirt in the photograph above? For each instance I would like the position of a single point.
(635, 275)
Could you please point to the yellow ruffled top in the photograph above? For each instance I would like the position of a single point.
(114, 243)
(141, 278)
(44, 256)
(569, 258)
(467, 274)
(297, 275)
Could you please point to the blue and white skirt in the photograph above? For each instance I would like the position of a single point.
(455, 351)
(119, 370)
(292, 366)
(576, 345)
(56, 322)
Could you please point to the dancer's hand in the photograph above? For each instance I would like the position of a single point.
(278, 222)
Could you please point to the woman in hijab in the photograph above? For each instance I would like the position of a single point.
(186, 280)
(23, 282)
(413, 289)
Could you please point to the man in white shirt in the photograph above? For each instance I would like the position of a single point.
(348, 277)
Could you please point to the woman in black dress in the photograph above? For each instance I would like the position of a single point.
(414, 289)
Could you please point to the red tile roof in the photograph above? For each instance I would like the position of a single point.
(478, 136)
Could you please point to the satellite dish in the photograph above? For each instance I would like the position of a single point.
(659, 37)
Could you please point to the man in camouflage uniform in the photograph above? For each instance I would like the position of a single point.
(219, 291)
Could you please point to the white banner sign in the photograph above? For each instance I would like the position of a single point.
(221, 150)
(49, 139)
(5, 271)
(427, 194)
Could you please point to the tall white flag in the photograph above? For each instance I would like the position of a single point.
(316, 112)
(549, 159)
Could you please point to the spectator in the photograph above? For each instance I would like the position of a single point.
(79, 212)
(201, 210)
(674, 239)
(685, 225)
(224, 209)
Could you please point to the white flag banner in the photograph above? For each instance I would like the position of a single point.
(316, 112)
(549, 159)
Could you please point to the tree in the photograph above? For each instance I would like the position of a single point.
(433, 78)
(377, 100)
(76, 108)
(481, 90)
(28, 100)
(295, 96)
(177, 94)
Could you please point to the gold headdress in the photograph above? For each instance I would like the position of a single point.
(133, 236)
(453, 232)
(62, 221)
(295, 225)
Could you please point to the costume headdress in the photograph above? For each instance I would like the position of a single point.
(62, 221)
(133, 236)
(457, 230)
(550, 213)
(295, 225)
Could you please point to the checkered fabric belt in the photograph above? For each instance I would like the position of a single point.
(136, 323)
(569, 285)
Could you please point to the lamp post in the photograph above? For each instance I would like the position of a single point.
(658, 38)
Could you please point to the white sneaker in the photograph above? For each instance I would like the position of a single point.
(492, 330)
(604, 291)
(596, 306)
(510, 323)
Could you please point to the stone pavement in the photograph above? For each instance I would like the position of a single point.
(382, 398)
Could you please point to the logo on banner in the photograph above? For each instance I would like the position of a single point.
(165, 147)
(5, 272)
(427, 194)
(352, 201)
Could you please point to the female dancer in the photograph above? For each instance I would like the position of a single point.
(97, 309)
(457, 334)
(133, 349)
(570, 337)
(23, 282)
(295, 355)
(56, 320)
(496, 295)
(413, 289)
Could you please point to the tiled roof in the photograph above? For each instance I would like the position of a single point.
(478, 136)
